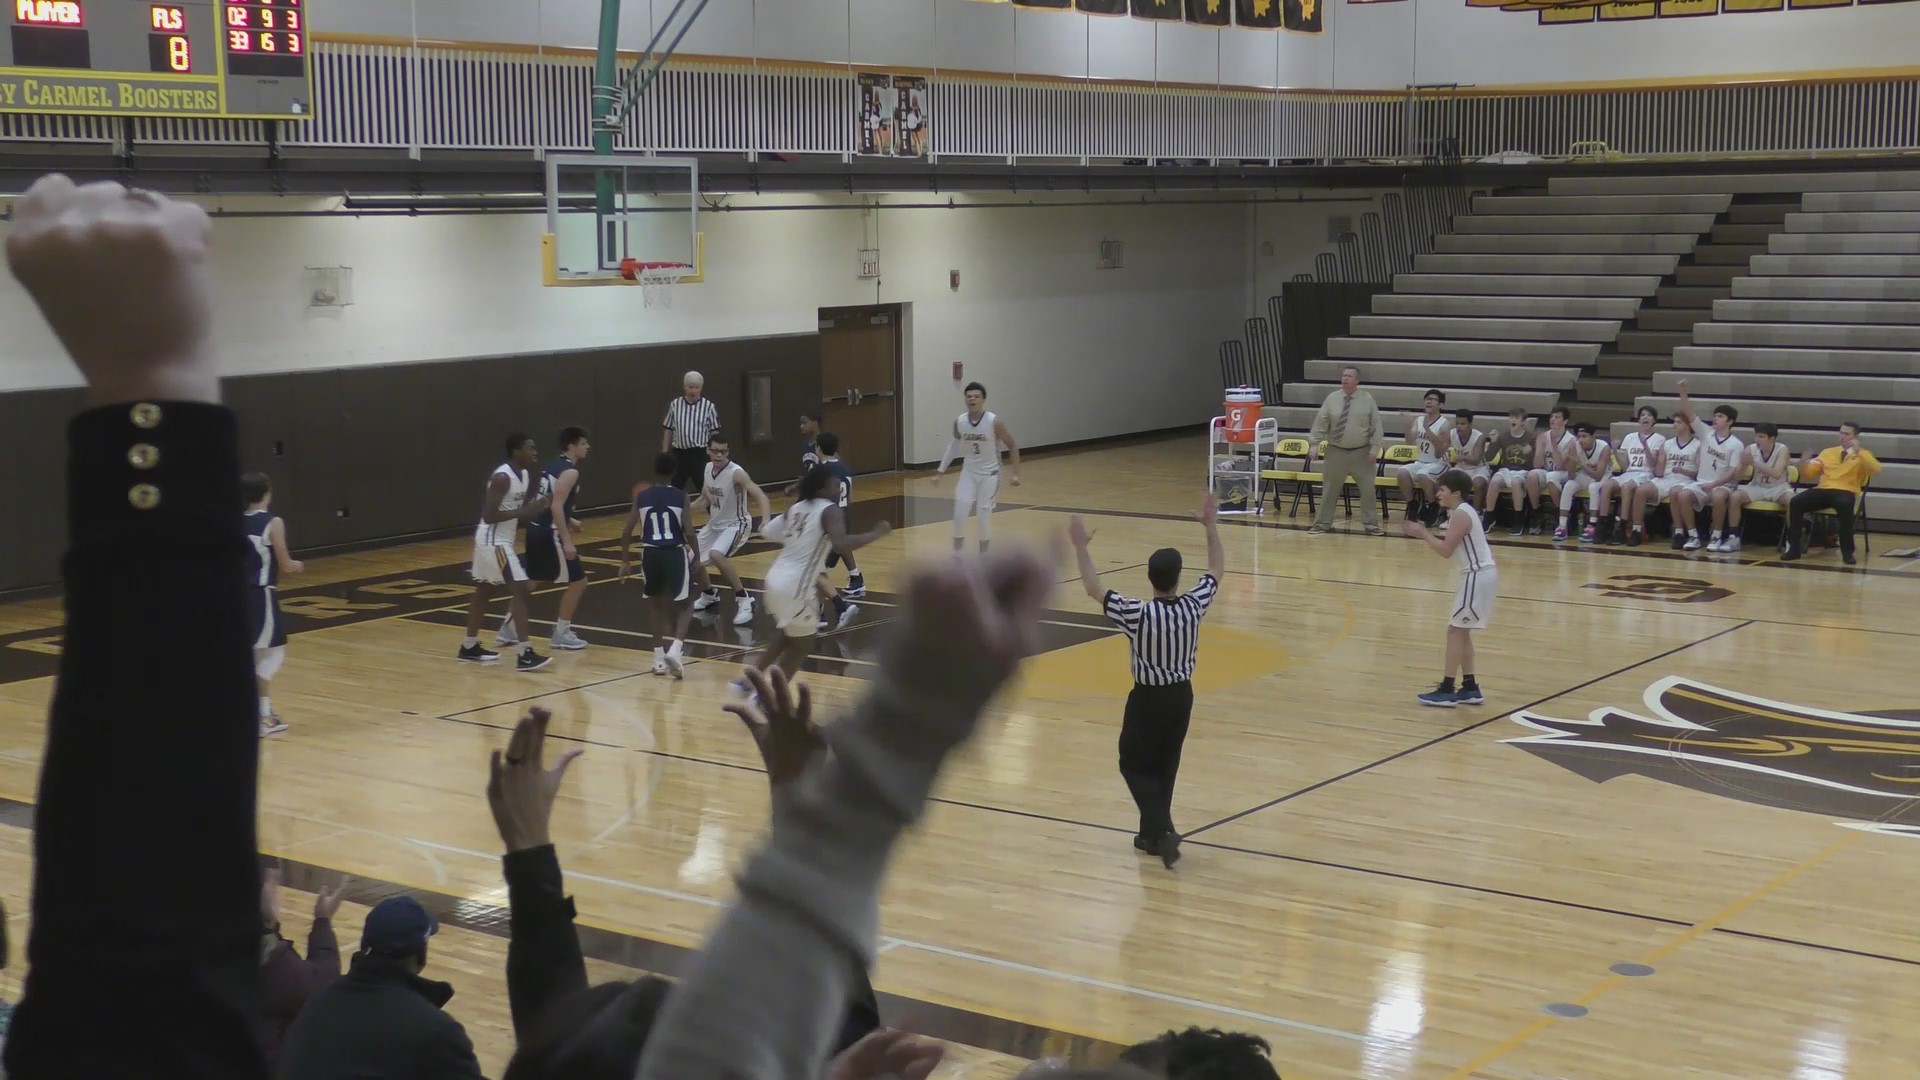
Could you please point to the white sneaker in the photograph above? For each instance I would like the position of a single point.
(1731, 543)
(745, 614)
(1716, 544)
(847, 616)
(568, 640)
(707, 600)
(1693, 542)
(659, 661)
(506, 639)
(675, 665)
(272, 725)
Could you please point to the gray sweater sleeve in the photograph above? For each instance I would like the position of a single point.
(766, 994)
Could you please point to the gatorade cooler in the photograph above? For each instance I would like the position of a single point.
(1242, 411)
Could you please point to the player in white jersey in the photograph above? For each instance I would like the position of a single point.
(1465, 542)
(495, 562)
(1592, 463)
(1426, 431)
(1722, 455)
(1769, 458)
(977, 437)
(1467, 451)
(1682, 455)
(1639, 459)
(724, 491)
(811, 529)
(1554, 462)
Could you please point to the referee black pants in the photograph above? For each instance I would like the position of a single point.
(688, 461)
(1151, 735)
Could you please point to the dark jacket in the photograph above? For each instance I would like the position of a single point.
(153, 745)
(287, 982)
(379, 1022)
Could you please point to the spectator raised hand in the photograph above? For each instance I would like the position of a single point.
(521, 789)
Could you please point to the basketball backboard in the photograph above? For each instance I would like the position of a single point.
(607, 214)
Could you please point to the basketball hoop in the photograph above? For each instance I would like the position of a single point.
(656, 279)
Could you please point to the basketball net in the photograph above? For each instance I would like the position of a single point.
(656, 280)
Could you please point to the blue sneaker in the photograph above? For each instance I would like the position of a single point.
(1440, 699)
(1470, 695)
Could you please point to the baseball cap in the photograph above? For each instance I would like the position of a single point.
(397, 924)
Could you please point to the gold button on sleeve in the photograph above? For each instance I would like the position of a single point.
(145, 415)
(143, 496)
(143, 456)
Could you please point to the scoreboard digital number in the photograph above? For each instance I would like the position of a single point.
(217, 58)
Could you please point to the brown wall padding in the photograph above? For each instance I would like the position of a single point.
(359, 454)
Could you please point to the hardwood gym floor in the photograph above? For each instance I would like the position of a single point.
(1708, 881)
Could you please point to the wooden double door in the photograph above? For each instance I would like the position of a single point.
(860, 384)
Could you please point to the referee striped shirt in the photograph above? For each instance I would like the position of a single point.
(692, 423)
(1164, 634)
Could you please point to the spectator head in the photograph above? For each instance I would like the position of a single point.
(1433, 400)
(1584, 432)
(1517, 421)
(664, 466)
(976, 395)
(828, 444)
(1849, 434)
(1194, 1054)
(1682, 428)
(1724, 417)
(809, 425)
(719, 450)
(1456, 483)
(522, 450)
(573, 443)
(595, 1034)
(691, 384)
(1349, 379)
(1163, 570)
(256, 490)
(1648, 417)
(1559, 418)
(397, 929)
(1463, 420)
(1765, 434)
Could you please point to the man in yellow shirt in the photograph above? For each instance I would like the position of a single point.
(1843, 471)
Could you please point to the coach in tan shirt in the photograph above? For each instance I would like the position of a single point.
(1349, 421)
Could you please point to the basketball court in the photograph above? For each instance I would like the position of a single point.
(1708, 882)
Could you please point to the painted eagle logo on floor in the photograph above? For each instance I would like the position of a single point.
(1862, 768)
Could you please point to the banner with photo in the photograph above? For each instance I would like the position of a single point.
(1577, 12)
(895, 116)
(1209, 13)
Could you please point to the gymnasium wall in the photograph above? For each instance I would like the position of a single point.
(1373, 46)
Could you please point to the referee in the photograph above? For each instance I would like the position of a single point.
(1164, 636)
(690, 423)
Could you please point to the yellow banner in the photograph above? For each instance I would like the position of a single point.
(108, 95)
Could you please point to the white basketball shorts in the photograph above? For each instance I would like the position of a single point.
(1551, 477)
(794, 604)
(1424, 470)
(723, 538)
(1473, 601)
(974, 494)
(1773, 493)
(495, 564)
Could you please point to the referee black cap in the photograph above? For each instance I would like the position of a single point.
(1163, 569)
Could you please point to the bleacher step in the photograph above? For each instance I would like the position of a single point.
(1760, 213)
(1679, 320)
(1728, 233)
(1892, 419)
(1726, 254)
(1690, 296)
(1793, 386)
(1632, 366)
(1738, 184)
(1528, 284)
(1598, 390)
(1661, 342)
(1896, 362)
(1716, 277)
(1830, 288)
(1835, 202)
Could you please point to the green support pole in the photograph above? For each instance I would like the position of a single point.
(606, 112)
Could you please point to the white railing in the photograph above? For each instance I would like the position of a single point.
(434, 98)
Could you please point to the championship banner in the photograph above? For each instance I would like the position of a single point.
(1257, 14)
(1209, 13)
(1102, 7)
(1304, 16)
(1156, 9)
(1578, 12)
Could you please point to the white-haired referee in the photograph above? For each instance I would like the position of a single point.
(1163, 634)
(690, 423)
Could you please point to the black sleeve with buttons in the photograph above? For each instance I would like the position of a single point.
(144, 951)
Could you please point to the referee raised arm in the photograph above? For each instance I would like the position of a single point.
(1163, 634)
(690, 423)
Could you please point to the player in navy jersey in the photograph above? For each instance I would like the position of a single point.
(829, 447)
(551, 553)
(266, 561)
(809, 448)
(666, 562)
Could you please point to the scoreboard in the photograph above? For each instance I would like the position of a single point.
(213, 58)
